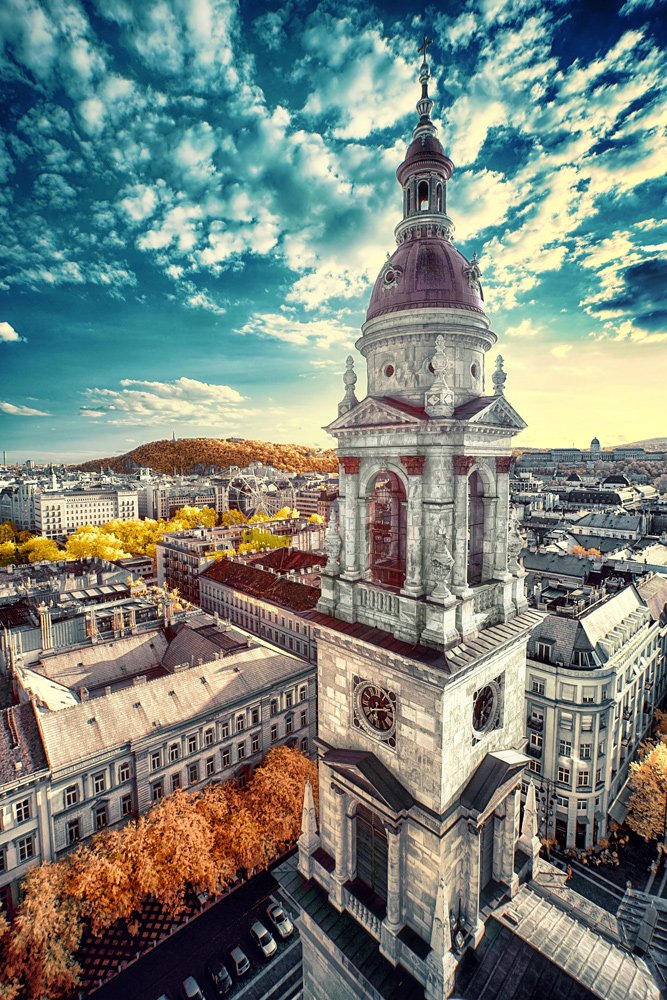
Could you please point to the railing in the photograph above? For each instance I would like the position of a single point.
(361, 913)
(485, 598)
(378, 600)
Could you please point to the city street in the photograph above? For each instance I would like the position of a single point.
(213, 935)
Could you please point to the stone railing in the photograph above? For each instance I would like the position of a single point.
(378, 600)
(361, 913)
(413, 963)
(485, 598)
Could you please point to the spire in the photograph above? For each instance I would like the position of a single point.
(349, 400)
(309, 840)
(529, 841)
(424, 104)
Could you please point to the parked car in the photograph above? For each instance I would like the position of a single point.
(240, 960)
(190, 989)
(280, 920)
(264, 939)
(219, 976)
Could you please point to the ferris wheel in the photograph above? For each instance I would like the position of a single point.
(258, 495)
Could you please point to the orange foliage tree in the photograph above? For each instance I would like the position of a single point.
(105, 877)
(275, 793)
(46, 935)
(648, 802)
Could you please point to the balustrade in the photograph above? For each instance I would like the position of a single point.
(361, 913)
(378, 600)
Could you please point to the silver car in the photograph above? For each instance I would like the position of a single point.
(190, 989)
(240, 960)
(264, 940)
(280, 920)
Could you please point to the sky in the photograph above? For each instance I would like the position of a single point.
(197, 195)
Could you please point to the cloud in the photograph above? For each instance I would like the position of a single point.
(642, 292)
(184, 400)
(560, 350)
(8, 334)
(321, 333)
(526, 328)
(21, 411)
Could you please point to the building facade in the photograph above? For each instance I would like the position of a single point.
(60, 512)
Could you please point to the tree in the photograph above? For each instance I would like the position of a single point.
(238, 840)
(9, 553)
(648, 802)
(88, 541)
(176, 851)
(230, 518)
(9, 989)
(40, 550)
(316, 519)
(192, 517)
(46, 935)
(104, 878)
(8, 531)
(275, 793)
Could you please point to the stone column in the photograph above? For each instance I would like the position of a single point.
(475, 925)
(503, 465)
(349, 515)
(394, 880)
(340, 856)
(462, 465)
(414, 577)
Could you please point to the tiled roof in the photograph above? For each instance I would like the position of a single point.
(191, 644)
(654, 592)
(399, 404)
(474, 406)
(621, 522)
(554, 562)
(102, 663)
(116, 719)
(288, 560)
(20, 743)
(265, 586)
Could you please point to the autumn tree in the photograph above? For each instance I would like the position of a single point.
(275, 793)
(316, 519)
(192, 517)
(177, 845)
(9, 554)
(8, 531)
(257, 538)
(10, 989)
(105, 878)
(239, 841)
(93, 542)
(46, 935)
(648, 802)
(231, 518)
(40, 550)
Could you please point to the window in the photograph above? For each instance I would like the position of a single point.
(156, 760)
(566, 720)
(387, 521)
(588, 696)
(304, 719)
(242, 781)
(3, 859)
(304, 745)
(240, 723)
(123, 772)
(585, 751)
(101, 818)
(99, 783)
(225, 758)
(208, 737)
(288, 699)
(422, 196)
(543, 651)
(241, 751)
(535, 765)
(567, 692)
(303, 692)
(289, 724)
(73, 831)
(192, 743)
(126, 805)
(598, 776)
(583, 778)
(565, 748)
(536, 740)
(210, 766)
(193, 773)
(225, 730)
(602, 747)
(175, 781)
(564, 775)
(561, 802)
(582, 805)
(71, 795)
(25, 848)
(536, 685)
(174, 751)
(537, 714)
(274, 706)
(22, 810)
(157, 791)
(254, 715)
(274, 733)
(586, 723)
(255, 743)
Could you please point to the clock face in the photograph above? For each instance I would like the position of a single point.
(375, 710)
(484, 709)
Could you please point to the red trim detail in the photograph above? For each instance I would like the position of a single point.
(503, 465)
(350, 465)
(414, 464)
(462, 464)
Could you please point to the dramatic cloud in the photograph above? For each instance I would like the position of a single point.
(8, 334)
(184, 400)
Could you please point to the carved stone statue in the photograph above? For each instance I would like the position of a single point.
(333, 543)
(515, 543)
(439, 399)
(441, 560)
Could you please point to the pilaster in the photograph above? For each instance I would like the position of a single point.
(350, 465)
(503, 465)
(340, 873)
(393, 921)
(462, 465)
(414, 577)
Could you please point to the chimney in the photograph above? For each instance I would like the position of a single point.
(84, 694)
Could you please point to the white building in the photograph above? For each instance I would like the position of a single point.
(60, 512)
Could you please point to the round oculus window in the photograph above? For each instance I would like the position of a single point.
(485, 709)
(389, 370)
(474, 370)
(389, 277)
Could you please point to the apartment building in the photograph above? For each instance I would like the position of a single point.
(60, 512)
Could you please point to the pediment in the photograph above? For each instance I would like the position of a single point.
(499, 413)
(374, 412)
(364, 770)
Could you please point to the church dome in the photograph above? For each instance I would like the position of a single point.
(425, 152)
(425, 273)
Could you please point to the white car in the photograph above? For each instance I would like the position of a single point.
(280, 920)
(264, 940)
(191, 990)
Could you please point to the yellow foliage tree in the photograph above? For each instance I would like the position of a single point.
(8, 531)
(40, 550)
(46, 935)
(230, 518)
(137, 537)
(648, 802)
(284, 513)
(9, 553)
(238, 839)
(192, 517)
(256, 538)
(88, 542)
(105, 877)
(316, 519)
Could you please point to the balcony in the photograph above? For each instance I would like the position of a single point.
(536, 724)
(356, 897)
(534, 752)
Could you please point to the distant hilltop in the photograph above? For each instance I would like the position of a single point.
(649, 444)
(197, 455)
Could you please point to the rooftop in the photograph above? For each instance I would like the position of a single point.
(21, 750)
(263, 585)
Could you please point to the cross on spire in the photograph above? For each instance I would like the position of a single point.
(423, 48)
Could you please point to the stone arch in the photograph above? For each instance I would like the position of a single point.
(385, 515)
(482, 515)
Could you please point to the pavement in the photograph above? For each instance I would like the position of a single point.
(212, 935)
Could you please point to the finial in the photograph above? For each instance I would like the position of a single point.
(424, 104)
(439, 399)
(349, 381)
(499, 377)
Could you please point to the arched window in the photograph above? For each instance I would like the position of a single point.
(387, 529)
(422, 196)
(438, 198)
(475, 528)
(407, 202)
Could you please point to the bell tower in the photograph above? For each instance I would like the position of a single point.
(422, 623)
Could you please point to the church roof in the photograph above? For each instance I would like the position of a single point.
(495, 771)
(365, 770)
(430, 272)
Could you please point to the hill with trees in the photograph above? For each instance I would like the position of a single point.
(199, 455)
